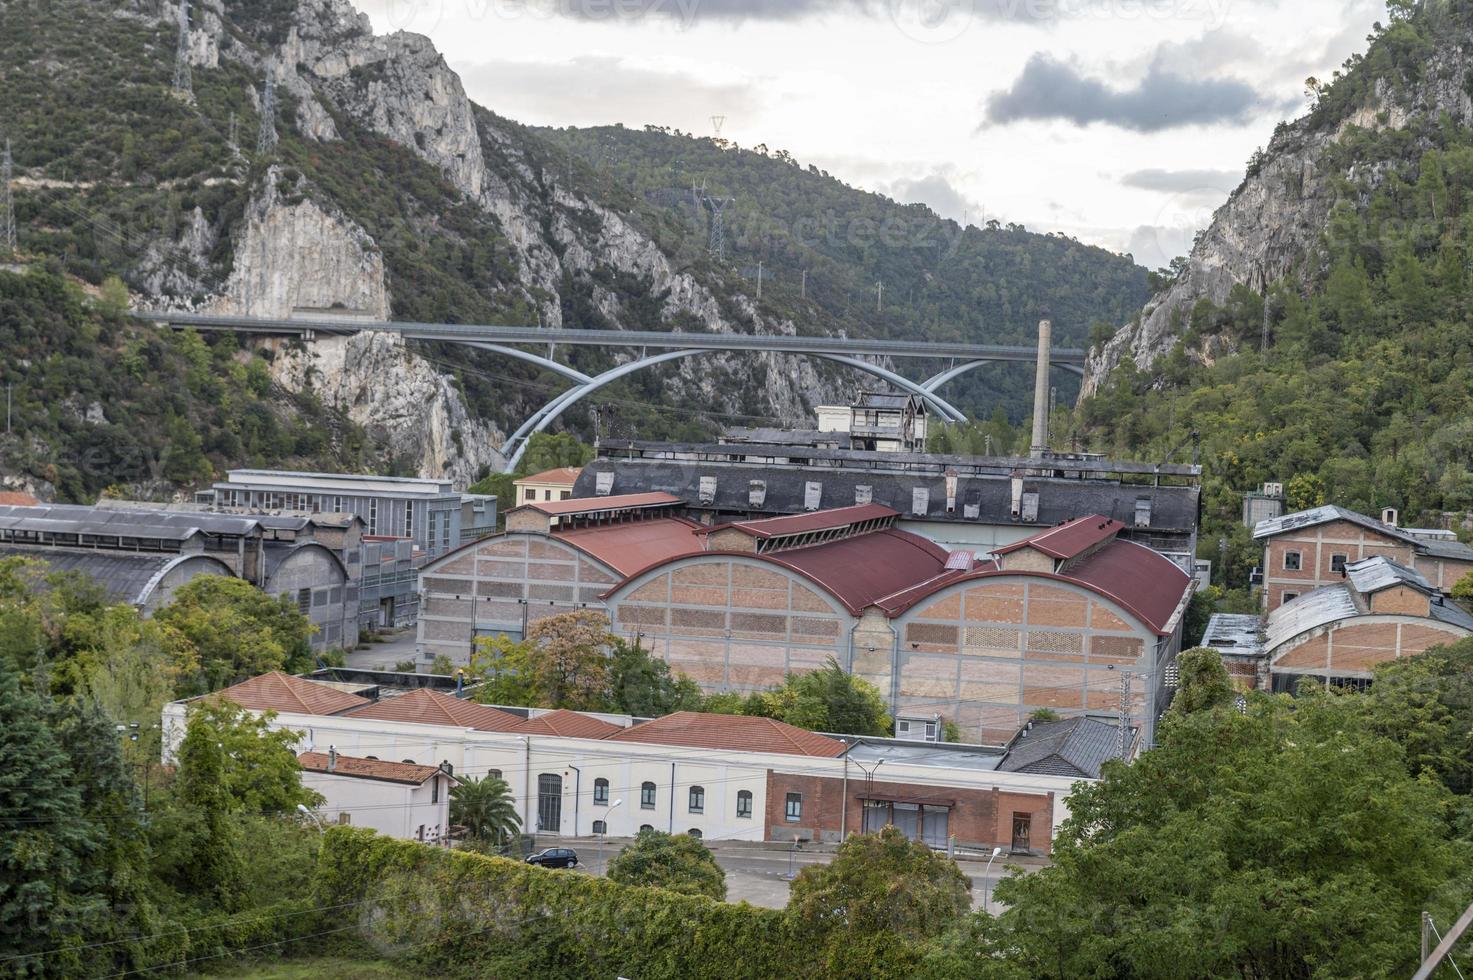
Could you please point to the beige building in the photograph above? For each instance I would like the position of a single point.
(548, 485)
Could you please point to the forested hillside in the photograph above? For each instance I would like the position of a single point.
(474, 218)
(1363, 395)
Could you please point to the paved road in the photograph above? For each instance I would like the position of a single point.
(759, 875)
(383, 656)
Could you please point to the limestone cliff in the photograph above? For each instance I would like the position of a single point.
(1272, 227)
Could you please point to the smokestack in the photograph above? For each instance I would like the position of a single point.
(1040, 391)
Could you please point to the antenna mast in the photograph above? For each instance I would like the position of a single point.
(7, 203)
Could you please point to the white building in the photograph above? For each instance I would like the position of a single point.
(719, 776)
(398, 799)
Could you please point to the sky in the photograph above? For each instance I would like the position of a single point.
(1123, 123)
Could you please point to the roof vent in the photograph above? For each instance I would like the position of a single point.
(1390, 517)
(812, 495)
(708, 490)
(920, 501)
(971, 511)
(603, 484)
(756, 493)
(1030, 505)
(863, 494)
(1143, 512)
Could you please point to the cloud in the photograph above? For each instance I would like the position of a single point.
(564, 92)
(937, 192)
(1163, 99)
(1211, 182)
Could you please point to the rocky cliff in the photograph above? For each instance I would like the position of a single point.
(1273, 226)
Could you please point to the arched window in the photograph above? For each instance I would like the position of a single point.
(647, 796)
(599, 827)
(645, 828)
(494, 773)
(698, 799)
(695, 832)
(601, 792)
(744, 803)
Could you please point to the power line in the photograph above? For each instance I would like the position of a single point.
(266, 139)
(7, 203)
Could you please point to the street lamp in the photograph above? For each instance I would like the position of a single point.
(996, 853)
(310, 813)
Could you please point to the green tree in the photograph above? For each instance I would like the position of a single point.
(879, 893)
(1463, 589)
(1204, 682)
(237, 630)
(1425, 704)
(243, 762)
(568, 659)
(677, 862)
(1304, 491)
(503, 667)
(1288, 842)
(830, 699)
(640, 684)
(486, 809)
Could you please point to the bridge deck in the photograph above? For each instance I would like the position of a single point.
(486, 333)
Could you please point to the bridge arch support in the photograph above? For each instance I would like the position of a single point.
(516, 444)
(956, 371)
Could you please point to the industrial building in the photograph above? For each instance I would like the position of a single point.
(554, 484)
(716, 776)
(1310, 549)
(142, 555)
(1337, 634)
(1073, 618)
(428, 512)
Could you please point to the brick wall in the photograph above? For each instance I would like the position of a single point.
(978, 818)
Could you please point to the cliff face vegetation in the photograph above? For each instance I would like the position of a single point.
(389, 192)
(1362, 394)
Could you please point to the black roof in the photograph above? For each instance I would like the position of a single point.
(980, 498)
(1074, 747)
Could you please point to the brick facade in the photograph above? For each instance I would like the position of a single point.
(977, 818)
(1318, 547)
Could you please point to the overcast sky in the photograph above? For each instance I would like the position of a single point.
(1121, 122)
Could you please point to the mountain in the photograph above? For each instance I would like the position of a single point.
(1357, 223)
(390, 193)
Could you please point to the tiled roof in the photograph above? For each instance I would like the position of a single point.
(562, 474)
(819, 520)
(568, 724)
(596, 505)
(1075, 747)
(630, 546)
(738, 732)
(389, 772)
(14, 498)
(1068, 539)
(426, 707)
(282, 692)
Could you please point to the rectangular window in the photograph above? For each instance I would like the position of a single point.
(435, 790)
(1290, 596)
(372, 515)
(408, 519)
(697, 799)
(1337, 563)
(647, 796)
(793, 809)
(744, 804)
(304, 601)
(1292, 561)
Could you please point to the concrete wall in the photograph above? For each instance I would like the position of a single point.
(314, 569)
(394, 809)
(176, 576)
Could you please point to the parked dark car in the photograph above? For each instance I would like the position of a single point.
(555, 857)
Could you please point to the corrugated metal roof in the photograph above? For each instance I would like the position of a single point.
(1379, 572)
(426, 707)
(127, 576)
(1312, 610)
(347, 765)
(861, 570)
(343, 483)
(1234, 633)
(1068, 539)
(819, 520)
(735, 732)
(631, 546)
(598, 505)
(166, 525)
(1324, 515)
(1072, 747)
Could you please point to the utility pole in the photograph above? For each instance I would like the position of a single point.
(759, 279)
(7, 203)
(879, 297)
(717, 245)
(183, 80)
(804, 288)
(1267, 302)
(266, 138)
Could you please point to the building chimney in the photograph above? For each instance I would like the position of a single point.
(332, 759)
(1040, 391)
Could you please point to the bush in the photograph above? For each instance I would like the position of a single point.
(677, 862)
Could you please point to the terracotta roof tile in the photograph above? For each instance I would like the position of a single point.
(14, 498)
(426, 707)
(346, 765)
(631, 546)
(740, 732)
(864, 569)
(282, 692)
(562, 474)
(818, 520)
(568, 724)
